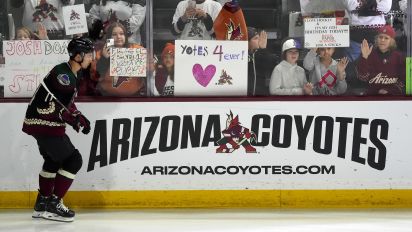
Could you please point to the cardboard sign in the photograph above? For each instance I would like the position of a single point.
(28, 62)
(325, 32)
(211, 68)
(129, 62)
(75, 19)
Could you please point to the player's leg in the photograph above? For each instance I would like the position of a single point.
(46, 183)
(60, 150)
(55, 209)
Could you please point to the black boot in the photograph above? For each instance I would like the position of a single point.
(57, 211)
(39, 206)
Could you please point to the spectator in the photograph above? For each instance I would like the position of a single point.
(131, 13)
(193, 19)
(23, 33)
(164, 77)
(326, 74)
(287, 77)
(382, 66)
(366, 17)
(257, 56)
(48, 12)
(115, 86)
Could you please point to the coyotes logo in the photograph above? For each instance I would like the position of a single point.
(236, 135)
(233, 32)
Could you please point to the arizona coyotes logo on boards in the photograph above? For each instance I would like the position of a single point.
(236, 135)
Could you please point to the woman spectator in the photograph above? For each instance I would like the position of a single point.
(381, 65)
(116, 85)
(131, 13)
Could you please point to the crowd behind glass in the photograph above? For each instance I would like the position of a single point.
(373, 64)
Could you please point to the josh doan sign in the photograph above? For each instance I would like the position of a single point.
(271, 130)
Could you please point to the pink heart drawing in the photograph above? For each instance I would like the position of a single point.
(203, 77)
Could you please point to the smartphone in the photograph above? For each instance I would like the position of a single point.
(109, 43)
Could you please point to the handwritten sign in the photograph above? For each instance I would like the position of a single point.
(325, 32)
(211, 68)
(75, 19)
(129, 62)
(28, 62)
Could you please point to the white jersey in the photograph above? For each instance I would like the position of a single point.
(383, 6)
(48, 12)
(120, 10)
(195, 29)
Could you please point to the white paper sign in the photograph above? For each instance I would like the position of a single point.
(129, 62)
(28, 62)
(325, 32)
(75, 19)
(211, 68)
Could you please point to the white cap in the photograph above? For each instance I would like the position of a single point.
(289, 44)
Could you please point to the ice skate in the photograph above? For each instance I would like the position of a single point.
(40, 206)
(57, 211)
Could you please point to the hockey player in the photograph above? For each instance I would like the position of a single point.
(51, 107)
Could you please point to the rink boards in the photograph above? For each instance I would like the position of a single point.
(164, 154)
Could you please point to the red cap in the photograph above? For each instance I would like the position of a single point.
(169, 49)
(388, 30)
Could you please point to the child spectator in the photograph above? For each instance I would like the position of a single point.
(116, 85)
(287, 77)
(193, 19)
(131, 13)
(24, 33)
(164, 77)
(382, 66)
(326, 74)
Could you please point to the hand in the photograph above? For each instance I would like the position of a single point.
(201, 14)
(85, 123)
(42, 32)
(307, 88)
(189, 13)
(263, 39)
(365, 49)
(341, 67)
(70, 117)
(106, 51)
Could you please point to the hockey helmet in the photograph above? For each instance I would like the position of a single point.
(80, 46)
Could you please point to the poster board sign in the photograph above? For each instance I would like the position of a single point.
(211, 68)
(129, 62)
(310, 7)
(325, 32)
(75, 19)
(28, 62)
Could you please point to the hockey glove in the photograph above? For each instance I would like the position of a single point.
(85, 123)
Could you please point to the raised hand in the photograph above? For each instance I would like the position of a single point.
(365, 49)
(263, 39)
(341, 67)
